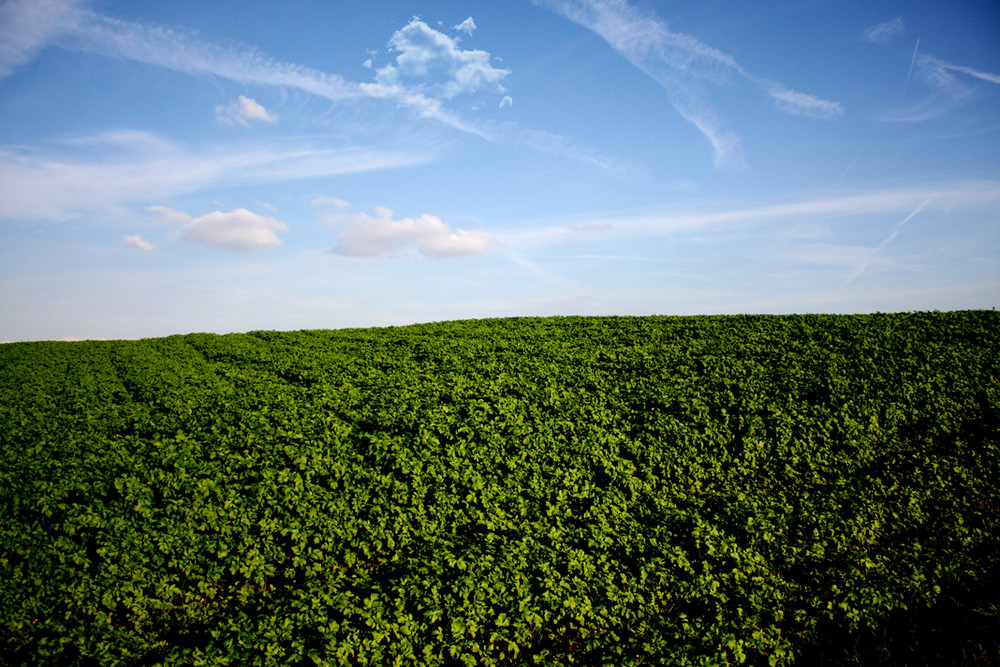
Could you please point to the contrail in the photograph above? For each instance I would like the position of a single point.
(853, 162)
(912, 60)
(895, 232)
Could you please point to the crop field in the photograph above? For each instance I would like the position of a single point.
(765, 490)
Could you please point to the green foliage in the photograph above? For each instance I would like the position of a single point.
(557, 491)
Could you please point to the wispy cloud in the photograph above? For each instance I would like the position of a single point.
(28, 26)
(130, 167)
(331, 202)
(684, 66)
(940, 65)
(803, 104)
(948, 90)
(138, 168)
(884, 32)
(235, 230)
(563, 147)
(679, 63)
(186, 52)
(381, 235)
(429, 68)
(948, 196)
(242, 111)
(811, 246)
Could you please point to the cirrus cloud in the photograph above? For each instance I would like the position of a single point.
(803, 104)
(948, 88)
(131, 167)
(883, 32)
(684, 67)
(28, 26)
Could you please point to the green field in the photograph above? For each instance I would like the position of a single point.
(767, 490)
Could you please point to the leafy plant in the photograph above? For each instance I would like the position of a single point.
(606, 490)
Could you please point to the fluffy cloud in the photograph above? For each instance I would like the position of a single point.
(466, 26)
(431, 62)
(242, 111)
(137, 241)
(380, 235)
(237, 230)
(507, 101)
(883, 32)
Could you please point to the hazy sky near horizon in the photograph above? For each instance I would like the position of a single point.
(178, 166)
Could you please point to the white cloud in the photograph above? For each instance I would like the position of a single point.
(426, 107)
(130, 167)
(467, 26)
(803, 104)
(28, 26)
(679, 63)
(242, 111)
(883, 32)
(380, 235)
(763, 245)
(507, 101)
(170, 215)
(683, 66)
(184, 51)
(963, 195)
(334, 202)
(432, 63)
(938, 72)
(560, 146)
(137, 241)
(237, 230)
(947, 90)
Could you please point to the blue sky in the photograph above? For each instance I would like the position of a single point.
(178, 166)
